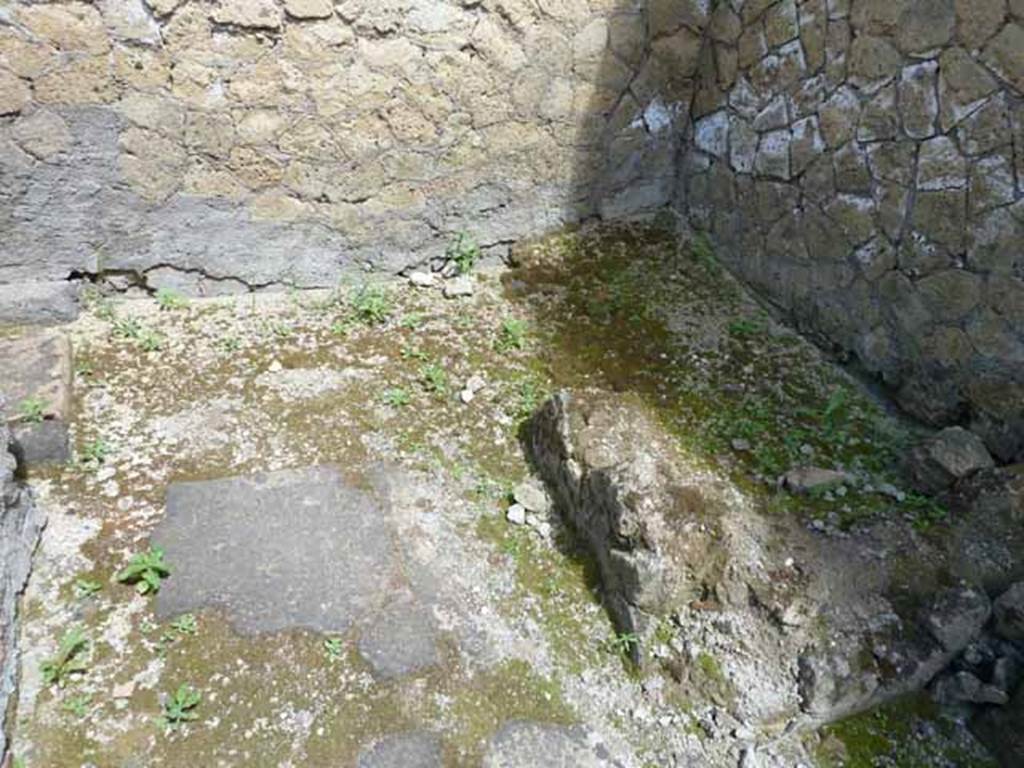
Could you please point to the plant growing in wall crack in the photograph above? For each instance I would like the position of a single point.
(464, 252)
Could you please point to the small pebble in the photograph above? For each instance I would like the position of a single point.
(516, 514)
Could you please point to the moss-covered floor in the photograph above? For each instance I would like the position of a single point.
(169, 390)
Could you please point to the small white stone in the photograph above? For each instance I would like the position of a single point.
(423, 279)
(458, 287)
(466, 396)
(516, 514)
(275, 366)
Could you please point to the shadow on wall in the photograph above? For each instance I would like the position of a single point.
(861, 164)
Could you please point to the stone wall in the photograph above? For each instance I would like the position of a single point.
(224, 145)
(861, 163)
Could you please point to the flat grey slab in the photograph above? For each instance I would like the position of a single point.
(37, 365)
(541, 745)
(294, 548)
(416, 749)
(401, 640)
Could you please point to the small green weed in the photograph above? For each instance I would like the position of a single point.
(145, 570)
(622, 644)
(411, 352)
(464, 251)
(179, 707)
(334, 648)
(396, 397)
(150, 341)
(371, 304)
(169, 299)
(747, 327)
(127, 328)
(86, 588)
(32, 409)
(185, 624)
(413, 321)
(434, 379)
(511, 335)
(95, 453)
(924, 511)
(69, 660)
(78, 705)
(229, 344)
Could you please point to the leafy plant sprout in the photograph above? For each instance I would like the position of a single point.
(396, 397)
(179, 707)
(145, 570)
(334, 648)
(464, 252)
(32, 409)
(95, 452)
(69, 661)
(86, 588)
(169, 299)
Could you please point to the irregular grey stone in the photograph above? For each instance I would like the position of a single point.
(44, 443)
(401, 640)
(1008, 610)
(516, 514)
(809, 479)
(956, 617)
(39, 368)
(1001, 730)
(416, 749)
(618, 479)
(458, 287)
(541, 745)
(294, 548)
(21, 524)
(531, 495)
(947, 457)
(34, 303)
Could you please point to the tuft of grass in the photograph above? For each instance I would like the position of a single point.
(145, 570)
(180, 707)
(622, 644)
(169, 299)
(69, 660)
(464, 251)
(32, 409)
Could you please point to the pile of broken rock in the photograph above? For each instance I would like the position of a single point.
(785, 628)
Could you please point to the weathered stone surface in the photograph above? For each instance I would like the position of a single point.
(537, 745)
(402, 640)
(1003, 54)
(956, 617)
(37, 367)
(21, 523)
(1001, 730)
(248, 13)
(416, 749)
(612, 472)
(947, 457)
(1008, 610)
(321, 567)
(38, 303)
(14, 93)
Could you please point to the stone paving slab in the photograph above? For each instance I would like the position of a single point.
(416, 749)
(280, 550)
(37, 366)
(539, 745)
